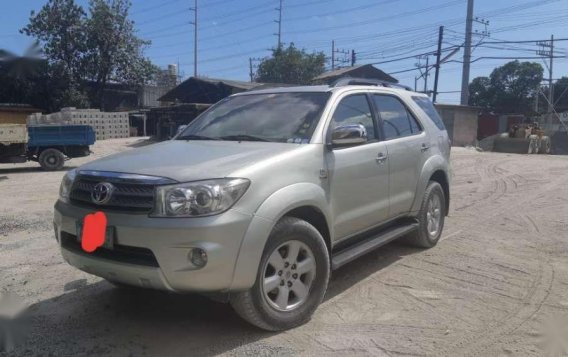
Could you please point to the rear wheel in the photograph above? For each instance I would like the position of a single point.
(430, 218)
(51, 159)
(291, 280)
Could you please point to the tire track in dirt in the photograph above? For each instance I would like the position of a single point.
(540, 287)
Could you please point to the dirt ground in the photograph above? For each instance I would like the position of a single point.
(495, 285)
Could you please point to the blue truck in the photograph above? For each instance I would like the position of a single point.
(49, 145)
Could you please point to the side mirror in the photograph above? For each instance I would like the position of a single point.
(348, 135)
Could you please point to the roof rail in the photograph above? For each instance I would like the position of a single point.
(349, 81)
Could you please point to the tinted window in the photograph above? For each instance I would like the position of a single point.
(282, 117)
(427, 106)
(397, 121)
(355, 110)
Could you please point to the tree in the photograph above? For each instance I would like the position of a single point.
(291, 66)
(561, 95)
(511, 88)
(481, 92)
(114, 53)
(59, 29)
(88, 51)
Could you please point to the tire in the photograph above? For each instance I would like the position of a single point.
(265, 309)
(426, 237)
(51, 160)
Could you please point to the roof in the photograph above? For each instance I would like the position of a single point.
(205, 90)
(360, 71)
(326, 88)
(18, 107)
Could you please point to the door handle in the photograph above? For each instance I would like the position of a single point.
(425, 147)
(381, 158)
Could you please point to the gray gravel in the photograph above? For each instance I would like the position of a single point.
(494, 286)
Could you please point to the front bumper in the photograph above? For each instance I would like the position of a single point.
(162, 246)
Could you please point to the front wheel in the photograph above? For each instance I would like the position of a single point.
(291, 280)
(430, 218)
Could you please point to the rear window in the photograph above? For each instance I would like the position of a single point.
(429, 109)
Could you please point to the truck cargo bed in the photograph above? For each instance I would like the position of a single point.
(60, 135)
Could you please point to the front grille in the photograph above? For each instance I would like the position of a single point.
(119, 253)
(131, 193)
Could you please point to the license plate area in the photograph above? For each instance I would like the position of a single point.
(109, 235)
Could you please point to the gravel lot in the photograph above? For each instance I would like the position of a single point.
(494, 286)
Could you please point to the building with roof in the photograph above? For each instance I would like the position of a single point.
(367, 71)
(12, 113)
(205, 90)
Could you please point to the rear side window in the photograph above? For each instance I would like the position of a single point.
(397, 121)
(426, 105)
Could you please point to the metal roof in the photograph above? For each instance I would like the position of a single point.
(359, 71)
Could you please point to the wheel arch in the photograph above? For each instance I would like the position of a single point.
(436, 168)
(440, 177)
(302, 200)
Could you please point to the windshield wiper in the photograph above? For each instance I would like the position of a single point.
(196, 137)
(244, 137)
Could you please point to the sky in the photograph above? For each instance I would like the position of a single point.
(381, 32)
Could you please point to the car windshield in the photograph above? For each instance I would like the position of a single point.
(276, 117)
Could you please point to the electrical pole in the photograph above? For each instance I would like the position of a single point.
(426, 74)
(467, 54)
(194, 23)
(250, 71)
(279, 22)
(438, 58)
(550, 84)
(353, 58)
(547, 50)
(332, 55)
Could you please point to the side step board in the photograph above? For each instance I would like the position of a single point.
(353, 252)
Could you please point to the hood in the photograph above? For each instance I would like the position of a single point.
(190, 160)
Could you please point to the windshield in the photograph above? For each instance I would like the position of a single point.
(281, 117)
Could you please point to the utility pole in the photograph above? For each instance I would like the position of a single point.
(547, 50)
(332, 55)
(438, 64)
(250, 71)
(467, 54)
(194, 23)
(426, 74)
(550, 84)
(279, 22)
(353, 58)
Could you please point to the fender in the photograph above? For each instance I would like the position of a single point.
(264, 219)
(433, 164)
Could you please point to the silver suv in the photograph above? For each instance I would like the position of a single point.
(263, 195)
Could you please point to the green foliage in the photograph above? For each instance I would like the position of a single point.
(511, 88)
(97, 48)
(561, 95)
(291, 66)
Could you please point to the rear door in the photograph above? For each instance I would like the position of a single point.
(407, 148)
(358, 177)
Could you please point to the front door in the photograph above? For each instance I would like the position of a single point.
(358, 175)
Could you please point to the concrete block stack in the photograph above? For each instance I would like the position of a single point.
(107, 125)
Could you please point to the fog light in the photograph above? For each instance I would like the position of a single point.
(198, 257)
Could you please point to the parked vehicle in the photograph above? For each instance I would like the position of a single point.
(264, 194)
(50, 145)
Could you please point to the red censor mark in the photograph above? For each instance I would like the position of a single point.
(94, 228)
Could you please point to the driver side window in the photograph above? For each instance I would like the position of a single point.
(355, 110)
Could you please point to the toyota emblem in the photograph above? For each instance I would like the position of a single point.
(102, 193)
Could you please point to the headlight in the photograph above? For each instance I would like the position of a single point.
(201, 198)
(66, 183)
